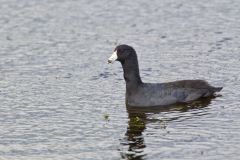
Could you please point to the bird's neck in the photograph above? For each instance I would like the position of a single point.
(131, 72)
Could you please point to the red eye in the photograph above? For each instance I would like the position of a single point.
(119, 50)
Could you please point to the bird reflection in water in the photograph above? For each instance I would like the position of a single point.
(133, 145)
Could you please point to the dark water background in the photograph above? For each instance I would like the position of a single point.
(61, 100)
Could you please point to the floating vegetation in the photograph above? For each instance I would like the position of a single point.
(137, 122)
(106, 117)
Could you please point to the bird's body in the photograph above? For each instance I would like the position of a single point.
(156, 94)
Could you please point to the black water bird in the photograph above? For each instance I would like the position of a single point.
(156, 94)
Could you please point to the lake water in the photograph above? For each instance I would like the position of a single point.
(60, 100)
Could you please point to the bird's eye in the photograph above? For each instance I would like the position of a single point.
(119, 50)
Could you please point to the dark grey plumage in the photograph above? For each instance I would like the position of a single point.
(157, 94)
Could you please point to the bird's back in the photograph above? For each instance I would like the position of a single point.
(152, 94)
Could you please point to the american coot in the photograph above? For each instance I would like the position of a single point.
(156, 94)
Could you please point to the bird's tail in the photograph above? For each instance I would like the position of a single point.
(217, 89)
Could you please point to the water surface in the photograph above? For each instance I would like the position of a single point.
(61, 100)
